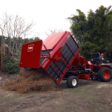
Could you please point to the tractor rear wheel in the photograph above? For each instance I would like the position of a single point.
(105, 74)
(72, 81)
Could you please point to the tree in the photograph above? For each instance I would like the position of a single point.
(78, 26)
(13, 27)
(94, 31)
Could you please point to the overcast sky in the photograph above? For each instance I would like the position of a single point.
(48, 15)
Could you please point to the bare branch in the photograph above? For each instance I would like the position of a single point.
(14, 26)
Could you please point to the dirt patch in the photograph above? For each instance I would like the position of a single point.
(89, 96)
(105, 85)
(86, 98)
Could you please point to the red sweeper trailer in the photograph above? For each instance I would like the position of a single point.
(59, 57)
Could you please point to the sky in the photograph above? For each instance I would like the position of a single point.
(48, 15)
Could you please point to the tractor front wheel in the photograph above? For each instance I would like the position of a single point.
(72, 81)
(105, 74)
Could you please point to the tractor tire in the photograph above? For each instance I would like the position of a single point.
(72, 81)
(105, 74)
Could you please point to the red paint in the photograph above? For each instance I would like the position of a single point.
(30, 56)
(55, 39)
(106, 75)
(84, 76)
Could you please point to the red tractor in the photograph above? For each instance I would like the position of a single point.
(59, 58)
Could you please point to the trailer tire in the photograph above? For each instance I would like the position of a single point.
(72, 81)
(105, 74)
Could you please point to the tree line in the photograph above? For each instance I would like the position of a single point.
(93, 31)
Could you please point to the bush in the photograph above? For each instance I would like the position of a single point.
(89, 48)
(11, 65)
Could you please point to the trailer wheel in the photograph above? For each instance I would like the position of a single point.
(72, 81)
(105, 74)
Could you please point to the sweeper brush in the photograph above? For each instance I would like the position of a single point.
(58, 57)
